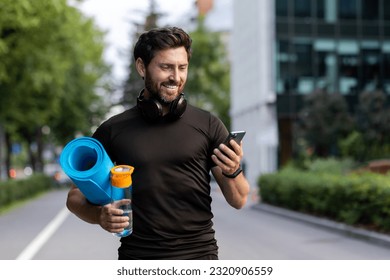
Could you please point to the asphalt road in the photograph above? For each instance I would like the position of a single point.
(43, 229)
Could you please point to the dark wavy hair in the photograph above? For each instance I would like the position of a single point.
(158, 39)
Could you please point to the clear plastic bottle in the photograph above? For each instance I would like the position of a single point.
(122, 194)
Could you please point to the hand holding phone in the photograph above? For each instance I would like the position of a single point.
(227, 169)
(237, 136)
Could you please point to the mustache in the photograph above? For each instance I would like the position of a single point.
(171, 83)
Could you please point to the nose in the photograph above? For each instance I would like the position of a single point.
(175, 76)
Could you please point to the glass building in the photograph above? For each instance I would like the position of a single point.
(283, 50)
(341, 46)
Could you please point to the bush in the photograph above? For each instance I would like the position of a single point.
(324, 165)
(362, 199)
(15, 190)
(332, 165)
(356, 147)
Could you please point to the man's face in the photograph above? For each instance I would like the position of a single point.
(166, 74)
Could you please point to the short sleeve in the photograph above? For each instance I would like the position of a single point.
(218, 133)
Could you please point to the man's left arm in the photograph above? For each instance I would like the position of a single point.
(229, 175)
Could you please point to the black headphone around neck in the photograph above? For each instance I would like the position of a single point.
(152, 109)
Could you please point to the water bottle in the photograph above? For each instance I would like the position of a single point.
(122, 194)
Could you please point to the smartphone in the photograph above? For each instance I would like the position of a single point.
(236, 136)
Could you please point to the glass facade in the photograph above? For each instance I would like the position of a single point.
(339, 45)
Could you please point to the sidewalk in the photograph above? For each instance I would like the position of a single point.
(369, 236)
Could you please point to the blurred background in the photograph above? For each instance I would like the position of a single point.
(67, 65)
(309, 80)
(261, 66)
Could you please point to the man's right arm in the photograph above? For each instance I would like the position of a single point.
(81, 207)
(108, 217)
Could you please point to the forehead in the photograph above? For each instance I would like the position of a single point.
(172, 56)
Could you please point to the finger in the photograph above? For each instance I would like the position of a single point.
(237, 148)
(228, 167)
(115, 223)
(226, 150)
(112, 210)
(116, 228)
(222, 157)
(118, 219)
(230, 157)
(216, 160)
(118, 225)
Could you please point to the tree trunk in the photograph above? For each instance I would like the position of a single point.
(8, 153)
(39, 153)
(2, 165)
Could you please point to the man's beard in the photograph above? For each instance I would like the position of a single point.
(155, 93)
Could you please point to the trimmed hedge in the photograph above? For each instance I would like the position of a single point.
(355, 199)
(19, 189)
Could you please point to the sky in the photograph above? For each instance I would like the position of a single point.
(116, 17)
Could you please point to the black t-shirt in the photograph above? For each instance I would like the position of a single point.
(171, 181)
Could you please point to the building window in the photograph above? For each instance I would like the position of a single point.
(347, 9)
(283, 60)
(348, 58)
(326, 10)
(302, 8)
(386, 10)
(303, 70)
(281, 7)
(348, 80)
(370, 53)
(370, 9)
(386, 66)
(320, 9)
(325, 64)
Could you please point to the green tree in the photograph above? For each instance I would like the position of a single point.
(208, 84)
(373, 117)
(323, 121)
(85, 96)
(134, 83)
(50, 63)
(371, 139)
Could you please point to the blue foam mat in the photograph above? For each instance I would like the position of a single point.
(87, 164)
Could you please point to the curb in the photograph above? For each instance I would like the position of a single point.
(363, 234)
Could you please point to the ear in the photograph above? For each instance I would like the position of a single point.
(140, 66)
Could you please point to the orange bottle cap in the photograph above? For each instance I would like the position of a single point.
(121, 176)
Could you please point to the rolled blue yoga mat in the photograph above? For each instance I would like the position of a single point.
(87, 164)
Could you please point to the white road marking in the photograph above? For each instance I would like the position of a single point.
(29, 252)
